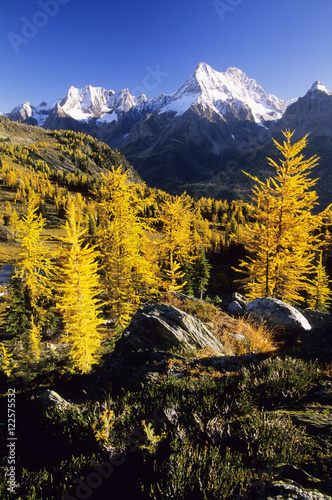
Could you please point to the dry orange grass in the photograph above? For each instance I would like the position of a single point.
(257, 337)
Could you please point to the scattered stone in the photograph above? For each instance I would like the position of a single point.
(279, 315)
(151, 377)
(238, 336)
(164, 327)
(235, 308)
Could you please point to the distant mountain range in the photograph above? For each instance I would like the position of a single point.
(202, 136)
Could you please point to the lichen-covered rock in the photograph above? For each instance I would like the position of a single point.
(278, 314)
(163, 327)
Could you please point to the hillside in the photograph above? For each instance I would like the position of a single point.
(120, 381)
(65, 152)
(49, 163)
(153, 424)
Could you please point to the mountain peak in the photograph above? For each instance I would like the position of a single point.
(203, 68)
(317, 85)
(222, 92)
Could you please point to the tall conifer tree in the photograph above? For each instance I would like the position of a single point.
(127, 246)
(178, 240)
(33, 286)
(76, 297)
(282, 243)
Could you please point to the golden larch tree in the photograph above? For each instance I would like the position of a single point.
(34, 264)
(178, 240)
(77, 288)
(283, 240)
(34, 271)
(127, 245)
(319, 290)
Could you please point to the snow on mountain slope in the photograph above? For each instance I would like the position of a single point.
(317, 85)
(96, 102)
(85, 103)
(220, 90)
(227, 94)
(31, 114)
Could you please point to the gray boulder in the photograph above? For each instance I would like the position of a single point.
(163, 327)
(52, 399)
(278, 314)
(235, 308)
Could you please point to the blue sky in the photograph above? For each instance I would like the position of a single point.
(153, 46)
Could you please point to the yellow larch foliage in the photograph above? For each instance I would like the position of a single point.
(34, 265)
(6, 360)
(283, 241)
(320, 294)
(178, 241)
(77, 288)
(32, 342)
(127, 245)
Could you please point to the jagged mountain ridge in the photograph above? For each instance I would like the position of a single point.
(191, 138)
(205, 85)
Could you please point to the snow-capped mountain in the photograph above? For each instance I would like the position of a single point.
(222, 91)
(311, 113)
(32, 115)
(192, 134)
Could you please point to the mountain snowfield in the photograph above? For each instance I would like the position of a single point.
(220, 91)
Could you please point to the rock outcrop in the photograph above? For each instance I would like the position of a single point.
(317, 343)
(163, 327)
(279, 315)
(289, 491)
(52, 399)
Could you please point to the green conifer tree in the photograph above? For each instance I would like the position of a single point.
(201, 273)
(17, 316)
(320, 294)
